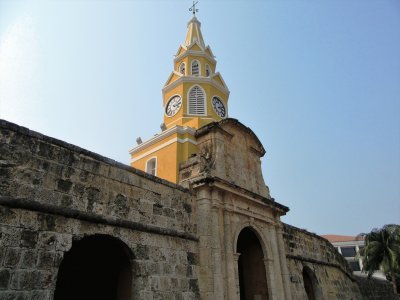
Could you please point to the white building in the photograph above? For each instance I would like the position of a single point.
(349, 247)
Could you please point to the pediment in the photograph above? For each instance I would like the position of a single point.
(173, 77)
(181, 50)
(218, 78)
(195, 47)
(232, 127)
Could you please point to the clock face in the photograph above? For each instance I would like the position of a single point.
(219, 107)
(173, 106)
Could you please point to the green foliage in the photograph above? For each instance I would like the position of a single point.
(382, 251)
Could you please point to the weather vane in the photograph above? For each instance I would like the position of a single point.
(193, 8)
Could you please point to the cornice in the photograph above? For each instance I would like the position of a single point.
(159, 137)
(240, 191)
(194, 53)
(196, 79)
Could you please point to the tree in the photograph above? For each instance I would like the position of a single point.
(382, 251)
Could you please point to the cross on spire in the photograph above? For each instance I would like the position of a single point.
(193, 8)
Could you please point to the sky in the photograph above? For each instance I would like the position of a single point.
(318, 82)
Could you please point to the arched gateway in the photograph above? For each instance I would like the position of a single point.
(96, 267)
(252, 277)
(311, 284)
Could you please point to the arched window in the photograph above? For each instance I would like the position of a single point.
(196, 101)
(151, 166)
(208, 72)
(182, 68)
(195, 68)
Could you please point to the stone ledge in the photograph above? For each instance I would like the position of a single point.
(320, 262)
(268, 202)
(32, 205)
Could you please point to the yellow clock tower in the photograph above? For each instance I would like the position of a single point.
(193, 96)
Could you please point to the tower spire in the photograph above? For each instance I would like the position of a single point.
(193, 96)
(193, 8)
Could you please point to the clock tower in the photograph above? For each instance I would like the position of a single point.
(194, 95)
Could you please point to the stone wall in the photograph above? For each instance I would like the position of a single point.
(333, 277)
(53, 193)
(373, 288)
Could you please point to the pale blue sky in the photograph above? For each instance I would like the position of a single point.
(317, 81)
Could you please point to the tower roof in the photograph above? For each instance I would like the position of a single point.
(194, 34)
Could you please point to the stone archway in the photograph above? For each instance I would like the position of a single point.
(311, 285)
(252, 278)
(96, 267)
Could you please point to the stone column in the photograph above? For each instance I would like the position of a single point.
(236, 294)
(230, 280)
(204, 226)
(270, 274)
(283, 261)
(278, 291)
(216, 247)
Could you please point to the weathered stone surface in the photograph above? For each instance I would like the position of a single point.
(334, 277)
(53, 193)
(241, 167)
(373, 288)
(181, 243)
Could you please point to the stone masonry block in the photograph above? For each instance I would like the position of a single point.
(45, 259)
(23, 280)
(63, 242)
(29, 238)
(40, 295)
(47, 240)
(10, 236)
(5, 275)
(12, 257)
(2, 254)
(44, 279)
(28, 259)
(64, 185)
(8, 216)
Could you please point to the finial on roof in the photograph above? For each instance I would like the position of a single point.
(193, 8)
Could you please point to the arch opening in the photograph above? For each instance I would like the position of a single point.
(311, 284)
(96, 267)
(252, 277)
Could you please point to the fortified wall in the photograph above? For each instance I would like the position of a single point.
(54, 195)
(314, 261)
(66, 212)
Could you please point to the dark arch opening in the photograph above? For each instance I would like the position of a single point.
(252, 277)
(311, 284)
(96, 267)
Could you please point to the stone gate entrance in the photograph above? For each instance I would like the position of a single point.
(96, 267)
(252, 277)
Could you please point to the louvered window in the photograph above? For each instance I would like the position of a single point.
(195, 68)
(196, 101)
(182, 68)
